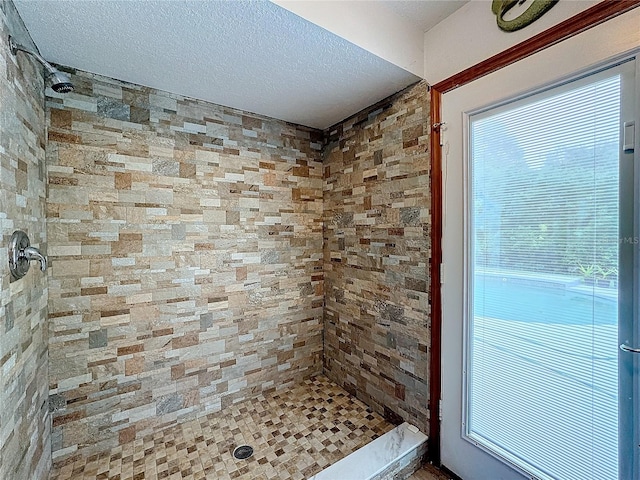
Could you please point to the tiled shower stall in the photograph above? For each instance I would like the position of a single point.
(202, 258)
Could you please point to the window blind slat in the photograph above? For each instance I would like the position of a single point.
(543, 382)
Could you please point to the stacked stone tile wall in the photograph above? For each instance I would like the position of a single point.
(185, 242)
(376, 256)
(25, 424)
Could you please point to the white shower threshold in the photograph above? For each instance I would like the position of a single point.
(380, 459)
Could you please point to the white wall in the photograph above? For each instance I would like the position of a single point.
(471, 35)
(368, 25)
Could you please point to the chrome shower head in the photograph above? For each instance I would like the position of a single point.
(59, 81)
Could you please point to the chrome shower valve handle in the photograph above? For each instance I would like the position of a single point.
(21, 253)
(32, 253)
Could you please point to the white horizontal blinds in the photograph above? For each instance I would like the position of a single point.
(542, 385)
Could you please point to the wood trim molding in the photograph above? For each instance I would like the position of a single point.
(591, 17)
(599, 13)
(435, 355)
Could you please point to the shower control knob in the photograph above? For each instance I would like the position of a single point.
(21, 253)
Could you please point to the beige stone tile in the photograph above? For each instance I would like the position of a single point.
(295, 433)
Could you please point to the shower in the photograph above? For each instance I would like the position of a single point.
(58, 80)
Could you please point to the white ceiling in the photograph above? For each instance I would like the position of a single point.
(250, 55)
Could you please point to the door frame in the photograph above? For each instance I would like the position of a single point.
(599, 13)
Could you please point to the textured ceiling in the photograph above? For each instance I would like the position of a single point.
(250, 55)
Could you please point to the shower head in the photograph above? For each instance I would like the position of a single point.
(59, 81)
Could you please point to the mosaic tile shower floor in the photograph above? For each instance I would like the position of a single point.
(295, 434)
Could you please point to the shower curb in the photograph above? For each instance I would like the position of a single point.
(394, 455)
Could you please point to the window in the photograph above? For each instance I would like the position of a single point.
(542, 351)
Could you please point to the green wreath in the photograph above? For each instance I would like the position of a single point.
(530, 15)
